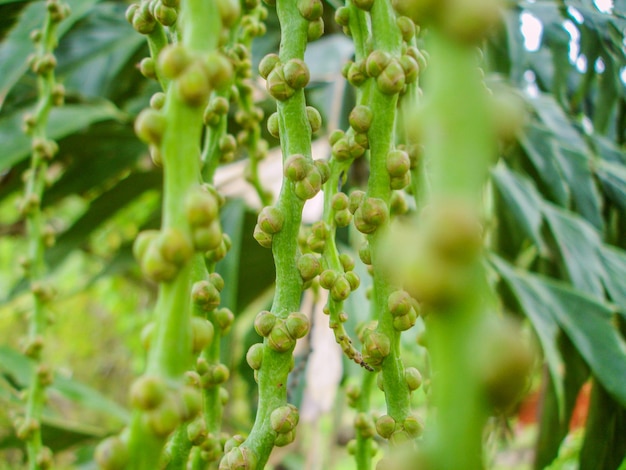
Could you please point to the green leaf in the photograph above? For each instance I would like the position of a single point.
(233, 222)
(614, 261)
(578, 244)
(523, 202)
(62, 122)
(613, 178)
(544, 324)
(587, 322)
(17, 46)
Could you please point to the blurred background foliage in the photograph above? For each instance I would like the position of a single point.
(557, 230)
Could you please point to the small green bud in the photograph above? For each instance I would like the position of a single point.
(355, 199)
(297, 167)
(342, 16)
(239, 458)
(413, 426)
(219, 70)
(58, 94)
(202, 333)
(197, 432)
(273, 125)
(271, 219)
(267, 64)
(343, 218)
(411, 68)
(205, 295)
(405, 322)
(142, 241)
(376, 346)
(174, 246)
(297, 325)
(157, 101)
(385, 426)
(376, 62)
(201, 208)
(315, 29)
(407, 28)
(263, 238)
(224, 319)
(357, 73)
(277, 86)
(163, 420)
(296, 73)
(364, 4)
(341, 288)
(173, 60)
(154, 267)
(279, 339)
(364, 423)
(148, 392)
(310, 10)
(339, 201)
(189, 401)
(165, 15)
(216, 375)
(413, 378)
(309, 266)
(254, 356)
(129, 14)
(399, 303)
(315, 119)
(264, 322)
(193, 85)
(365, 254)
(45, 458)
(284, 419)
(328, 278)
(353, 280)
(346, 261)
(112, 454)
(207, 238)
(150, 126)
(230, 11)
(309, 186)
(361, 118)
(323, 168)
(285, 439)
(398, 163)
(335, 136)
(392, 79)
(341, 150)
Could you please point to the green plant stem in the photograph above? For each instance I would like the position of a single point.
(36, 267)
(363, 454)
(381, 134)
(170, 354)
(295, 133)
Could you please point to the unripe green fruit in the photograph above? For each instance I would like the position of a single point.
(309, 266)
(376, 62)
(309, 186)
(224, 319)
(254, 356)
(277, 85)
(172, 60)
(285, 439)
(267, 64)
(148, 392)
(297, 325)
(413, 426)
(264, 323)
(239, 458)
(411, 68)
(194, 86)
(208, 237)
(341, 289)
(399, 303)
(143, 241)
(273, 125)
(328, 278)
(147, 67)
(205, 295)
(353, 280)
(343, 218)
(279, 339)
(297, 167)
(230, 11)
(315, 119)
(355, 199)
(374, 210)
(296, 73)
(150, 126)
(284, 419)
(357, 73)
(202, 333)
(361, 118)
(165, 15)
(263, 238)
(392, 79)
(271, 219)
(323, 169)
(385, 426)
(112, 454)
(310, 10)
(413, 378)
(342, 16)
(315, 30)
(407, 28)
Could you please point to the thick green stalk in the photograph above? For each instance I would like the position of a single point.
(386, 38)
(30, 428)
(295, 137)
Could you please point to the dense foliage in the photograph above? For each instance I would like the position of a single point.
(153, 153)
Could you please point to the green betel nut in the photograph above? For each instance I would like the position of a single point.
(148, 392)
(254, 356)
(193, 85)
(142, 242)
(205, 295)
(264, 322)
(284, 419)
